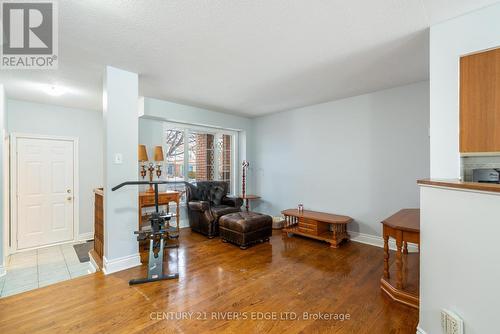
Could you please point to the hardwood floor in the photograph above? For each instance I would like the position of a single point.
(286, 275)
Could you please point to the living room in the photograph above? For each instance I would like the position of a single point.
(233, 166)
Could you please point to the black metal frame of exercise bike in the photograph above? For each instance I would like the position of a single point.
(155, 262)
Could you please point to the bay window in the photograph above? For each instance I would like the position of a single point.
(195, 153)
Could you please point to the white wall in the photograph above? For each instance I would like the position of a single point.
(469, 33)
(3, 208)
(458, 229)
(121, 127)
(459, 256)
(44, 119)
(359, 156)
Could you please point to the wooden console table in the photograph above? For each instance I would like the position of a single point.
(316, 225)
(147, 199)
(404, 226)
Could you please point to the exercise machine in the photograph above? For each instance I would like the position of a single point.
(159, 233)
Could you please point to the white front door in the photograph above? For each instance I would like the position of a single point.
(45, 201)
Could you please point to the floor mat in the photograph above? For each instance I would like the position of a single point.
(82, 250)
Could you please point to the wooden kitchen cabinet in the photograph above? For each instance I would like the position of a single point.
(480, 102)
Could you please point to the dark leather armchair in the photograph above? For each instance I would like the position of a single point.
(207, 201)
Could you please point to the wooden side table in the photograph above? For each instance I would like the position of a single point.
(247, 198)
(147, 199)
(404, 227)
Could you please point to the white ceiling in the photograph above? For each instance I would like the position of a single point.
(248, 57)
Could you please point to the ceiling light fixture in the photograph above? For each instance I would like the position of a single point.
(55, 90)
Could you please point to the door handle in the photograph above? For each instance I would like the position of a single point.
(69, 198)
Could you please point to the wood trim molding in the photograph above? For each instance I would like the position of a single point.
(121, 263)
(479, 154)
(457, 184)
(93, 266)
(398, 295)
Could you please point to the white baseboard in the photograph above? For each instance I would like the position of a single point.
(3, 272)
(92, 266)
(122, 263)
(86, 236)
(420, 330)
(375, 240)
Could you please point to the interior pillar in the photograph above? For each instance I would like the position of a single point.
(121, 123)
(4, 221)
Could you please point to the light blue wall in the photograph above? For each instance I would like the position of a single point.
(121, 131)
(160, 110)
(86, 125)
(3, 118)
(181, 113)
(359, 156)
(150, 133)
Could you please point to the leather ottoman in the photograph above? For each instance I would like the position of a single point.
(245, 228)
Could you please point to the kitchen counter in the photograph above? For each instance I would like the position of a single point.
(459, 229)
(457, 184)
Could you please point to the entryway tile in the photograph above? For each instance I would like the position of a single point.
(48, 269)
(78, 266)
(20, 272)
(52, 267)
(8, 292)
(71, 258)
(53, 278)
(81, 272)
(51, 251)
(13, 284)
(22, 259)
(37, 268)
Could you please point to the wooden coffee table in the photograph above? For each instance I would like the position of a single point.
(316, 225)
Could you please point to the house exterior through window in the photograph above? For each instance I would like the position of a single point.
(196, 153)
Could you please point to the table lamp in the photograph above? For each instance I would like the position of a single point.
(143, 158)
(158, 156)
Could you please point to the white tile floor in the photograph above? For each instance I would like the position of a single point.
(38, 268)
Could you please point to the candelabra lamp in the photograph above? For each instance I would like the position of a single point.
(159, 159)
(143, 159)
(151, 167)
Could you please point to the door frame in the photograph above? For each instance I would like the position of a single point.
(13, 189)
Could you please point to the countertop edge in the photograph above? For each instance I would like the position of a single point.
(457, 184)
